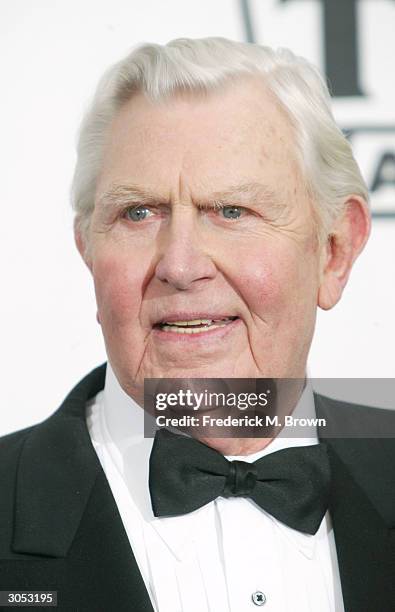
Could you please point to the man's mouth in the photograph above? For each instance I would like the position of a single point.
(193, 326)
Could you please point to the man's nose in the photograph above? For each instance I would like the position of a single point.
(183, 262)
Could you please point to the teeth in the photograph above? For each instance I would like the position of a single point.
(194, 326)
(192, 322)
(196, 330)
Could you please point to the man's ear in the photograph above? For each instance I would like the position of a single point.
(345, 242)
(82, 245)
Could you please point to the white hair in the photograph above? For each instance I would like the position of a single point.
(326, 160)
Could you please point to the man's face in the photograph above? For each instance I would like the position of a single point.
(201, 214)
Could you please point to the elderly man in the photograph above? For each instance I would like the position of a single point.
(217, 205)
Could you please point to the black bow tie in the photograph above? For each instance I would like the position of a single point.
(291, 484)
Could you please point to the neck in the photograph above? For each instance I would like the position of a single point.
(236, 446)
(125, 420)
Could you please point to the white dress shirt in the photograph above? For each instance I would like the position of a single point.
(228, 556)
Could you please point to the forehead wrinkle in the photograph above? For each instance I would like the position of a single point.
(183, 195)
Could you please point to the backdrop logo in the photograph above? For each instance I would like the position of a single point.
(373, 141)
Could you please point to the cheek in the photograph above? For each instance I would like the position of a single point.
(275, 282)
(118, 286)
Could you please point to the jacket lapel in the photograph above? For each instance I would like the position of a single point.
(65, 508)
(362, 512)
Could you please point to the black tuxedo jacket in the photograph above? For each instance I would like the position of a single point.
(60, 529)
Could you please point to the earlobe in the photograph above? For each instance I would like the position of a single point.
(330, 292)
(345, 242)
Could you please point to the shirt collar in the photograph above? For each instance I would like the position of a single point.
(122, 425)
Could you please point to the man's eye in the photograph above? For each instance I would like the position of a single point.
(137, 213)
(232, 212)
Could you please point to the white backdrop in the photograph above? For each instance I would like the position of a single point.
(52, 53)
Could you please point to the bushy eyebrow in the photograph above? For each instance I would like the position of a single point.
(117, 197)
(246, 194)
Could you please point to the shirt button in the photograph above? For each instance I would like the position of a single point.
(258, 598)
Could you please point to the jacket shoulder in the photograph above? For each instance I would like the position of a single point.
(84, 390)
(345, 419)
